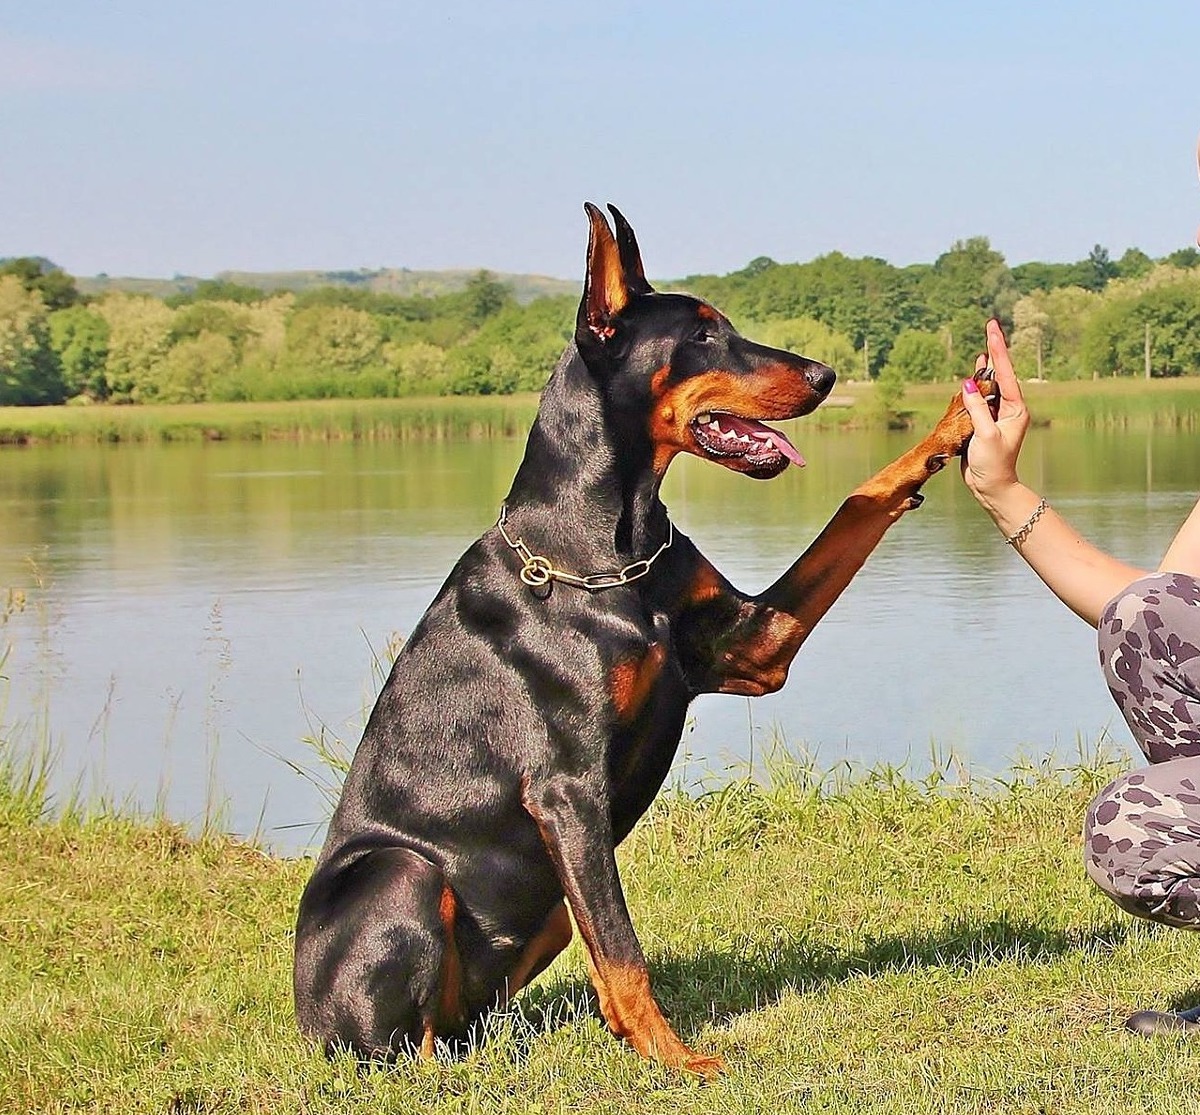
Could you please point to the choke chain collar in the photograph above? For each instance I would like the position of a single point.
(537, 572)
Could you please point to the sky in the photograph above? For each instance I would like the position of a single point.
(155, 139)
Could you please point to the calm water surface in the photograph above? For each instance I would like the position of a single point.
(195, 611)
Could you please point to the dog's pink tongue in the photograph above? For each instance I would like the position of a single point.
(765, 433)
(786, 447)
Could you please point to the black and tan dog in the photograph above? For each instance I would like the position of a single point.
(535, 710)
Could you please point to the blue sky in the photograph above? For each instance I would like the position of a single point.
(162, 138)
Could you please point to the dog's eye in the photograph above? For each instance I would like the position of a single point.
(704, 334)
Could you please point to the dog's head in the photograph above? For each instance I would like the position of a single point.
(674, 359)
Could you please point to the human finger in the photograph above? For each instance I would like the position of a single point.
(1010, 388)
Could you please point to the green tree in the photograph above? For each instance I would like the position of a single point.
(419, 367)
(30, 372)
(1046, 276)
(514, 350)
(890, 390)
(962, 337)
(811, 338)
(57, 288)
(80, 337)
(1187, 258)
(1098, 269)
(231, 320)
(917, 357)
(971, 276)
(1030, 340)
(1070, 310)
(217, 290)
(758, 265)
(138, 339)
(1166, 317)
(868, 301)
(329, 347)
(1133, 264)
(193, 366)
(266, 335)
(485, 297)
(469, 371)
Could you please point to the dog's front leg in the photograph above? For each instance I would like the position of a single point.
(754, 645)
(574, 817)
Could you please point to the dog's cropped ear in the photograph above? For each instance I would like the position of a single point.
(631, 254)
(605, 292)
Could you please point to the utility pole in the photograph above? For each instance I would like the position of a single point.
(1147, 350)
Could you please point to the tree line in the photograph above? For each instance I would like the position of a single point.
(223, 341)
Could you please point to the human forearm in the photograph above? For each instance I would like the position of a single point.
(1080, 574)
(1183, 555)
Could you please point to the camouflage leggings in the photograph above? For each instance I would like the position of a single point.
(1142, 833)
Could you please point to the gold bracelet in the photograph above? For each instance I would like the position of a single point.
(1026, 528)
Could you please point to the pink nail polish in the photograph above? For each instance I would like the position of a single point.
(970, 387)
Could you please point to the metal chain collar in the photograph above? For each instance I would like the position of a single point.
(537, 572)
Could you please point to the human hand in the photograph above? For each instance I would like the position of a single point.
(990, 464)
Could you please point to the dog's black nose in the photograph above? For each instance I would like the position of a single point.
(820, 377)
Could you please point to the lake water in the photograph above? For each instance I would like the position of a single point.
(195, 611)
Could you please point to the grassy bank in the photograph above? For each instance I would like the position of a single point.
(881, 945)
(320, 420)
(1102, 404)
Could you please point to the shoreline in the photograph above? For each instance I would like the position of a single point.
(1110, 403)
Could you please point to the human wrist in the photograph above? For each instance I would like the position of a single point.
(997, 494)
(1010, 507)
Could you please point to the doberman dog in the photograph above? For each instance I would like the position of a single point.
(535, 710)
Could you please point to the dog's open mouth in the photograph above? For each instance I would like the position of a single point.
(729, 437)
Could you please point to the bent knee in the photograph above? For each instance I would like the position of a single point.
(1142, 842)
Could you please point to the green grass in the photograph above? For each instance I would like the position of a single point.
(1109, 403)
(880, 944)
(322, 420)
(1083, 404)
(1119, 403)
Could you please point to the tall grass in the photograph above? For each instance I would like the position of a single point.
(1103, 404)
(26, 757)
(1119, 403)
(322, 420)
(1111, 403)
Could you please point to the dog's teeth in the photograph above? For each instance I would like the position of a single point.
(703, 419)
(744, 438)
(715, 426)
(769, 443)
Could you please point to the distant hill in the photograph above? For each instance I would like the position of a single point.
(388, 280)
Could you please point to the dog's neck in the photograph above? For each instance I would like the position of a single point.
(591, 485)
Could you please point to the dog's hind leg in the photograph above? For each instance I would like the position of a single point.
(377, 964)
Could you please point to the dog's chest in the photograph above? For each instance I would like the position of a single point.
(649, 700)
